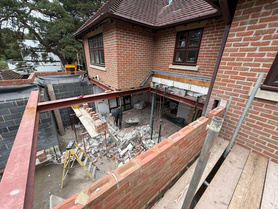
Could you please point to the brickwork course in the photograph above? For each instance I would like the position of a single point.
(250, 49)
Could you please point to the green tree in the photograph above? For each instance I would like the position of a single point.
(51, 22)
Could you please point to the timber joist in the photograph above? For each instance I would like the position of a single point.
(183, 80)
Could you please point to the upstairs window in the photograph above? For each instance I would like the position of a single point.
(187, 47)
(96, 50)
(271, 81)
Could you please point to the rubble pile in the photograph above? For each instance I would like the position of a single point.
(127, 148)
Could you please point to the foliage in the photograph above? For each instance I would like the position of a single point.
(51, 22)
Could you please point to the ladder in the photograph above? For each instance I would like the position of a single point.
(72, 152)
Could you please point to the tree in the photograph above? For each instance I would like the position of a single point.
(51, 22)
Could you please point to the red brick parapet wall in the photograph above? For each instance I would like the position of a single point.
(141, 181)
(31, 78)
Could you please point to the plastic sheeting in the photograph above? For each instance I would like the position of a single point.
(43, 80)
(5, 90)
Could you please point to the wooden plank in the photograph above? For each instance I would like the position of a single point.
(56, 111)
(183, 80)
(220, 191)
(87, 121)
(174, 197)
(270, 194)
(250, 186)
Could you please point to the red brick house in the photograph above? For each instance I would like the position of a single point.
(184, 37)
(225, 44)
(136, 37)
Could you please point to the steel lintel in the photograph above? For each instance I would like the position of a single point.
(17, 184)
(185, 100)
(57, 104)
(100, 84)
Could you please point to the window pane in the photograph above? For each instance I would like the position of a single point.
(92, 57)
(182, 37)
(191, 56)
(179, 56)
(181, 43)
(196, 34)
(101, 54)
(97, 57)
(194, 42)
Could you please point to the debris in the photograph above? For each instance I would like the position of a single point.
(139, 105)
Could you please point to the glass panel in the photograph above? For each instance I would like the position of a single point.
(96, 56)
(181, 43)
(194, 42)
(196, 34)
(179, 56)
(92, 57)
(101, 54)
(191, 56)
(182, 37)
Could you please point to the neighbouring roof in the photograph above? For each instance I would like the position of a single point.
(6, 74)
(154, 14)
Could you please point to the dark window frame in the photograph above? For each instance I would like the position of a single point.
(96, 49)
(271, 80)
(187, 48)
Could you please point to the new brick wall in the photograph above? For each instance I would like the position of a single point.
(251, 48)
(165, 45)
(140, 182)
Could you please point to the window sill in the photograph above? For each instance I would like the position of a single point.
(184, 67)
(98, 67)
(267, 95)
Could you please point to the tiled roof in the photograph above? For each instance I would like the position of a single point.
(152, 13)
(6, 74)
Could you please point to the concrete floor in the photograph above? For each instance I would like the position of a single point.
(49, 175)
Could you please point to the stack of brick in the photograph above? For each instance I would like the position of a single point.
(98, 126)
(85, 106)
(41, 156)
(95, 116)
(89, 110)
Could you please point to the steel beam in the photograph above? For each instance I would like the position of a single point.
(17, 184)
(185, 100)
(100, 84)
(57, 104)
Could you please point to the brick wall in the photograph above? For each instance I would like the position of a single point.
(210, 44)
(110, 76)
(135, 54)
(141, 181)
(128, 52)
(251, 48)
(132, 51)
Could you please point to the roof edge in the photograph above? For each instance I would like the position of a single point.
(124, 18)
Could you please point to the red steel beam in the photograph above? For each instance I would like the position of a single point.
(17, 184)
(101, 85)
(185, 100)
(61, 103)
